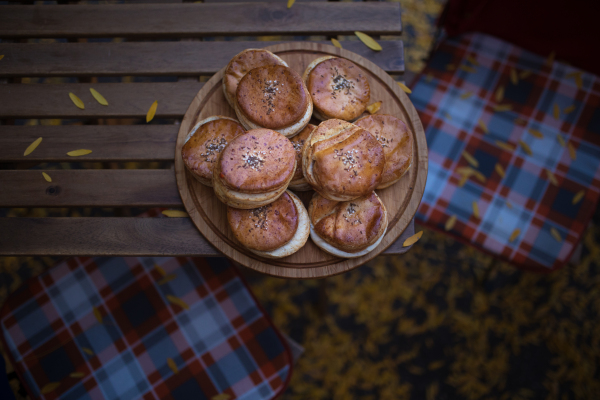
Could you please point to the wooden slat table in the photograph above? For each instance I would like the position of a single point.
(171, 40)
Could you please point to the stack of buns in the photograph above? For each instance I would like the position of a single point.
(253, 161)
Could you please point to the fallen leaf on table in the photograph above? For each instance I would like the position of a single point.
(514, 235)
(555, 234)
(413, 239)
(450, 67)
(87, 351)
(32, 146)
(525, 73)
(569, 109)
(99, 98)
(336, 43)
(50, 387)
(508, 204)
(151, 111)
(404, 87)
(572, 152)
(550, 59)
(160, 270)
(472, 60)
(167, 278)
(97, 314)
(1, 56)
(514, 79)
(500, 170)
(579, 81)
(470, 159)
(172, 365)
(504, 145)
(77, 375)
(551, 177)
(561, 141)
(578, 196)
(525, 147)
(468, 68)
(475, 209)
(80, 152)
(368, 40)
(573, 74)
(77, 101)
(502, 107)
(46, 177)
(428, 77)
(520, 121)
(175, 213)
(483, 126)
(556, 111)
(536, 133)
(222, 396)
(450, 223)
(176, 300)
(373, 108)
(466, 95)
(499, 96)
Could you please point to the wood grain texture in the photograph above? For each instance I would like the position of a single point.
(114, 237)
(153, 58)
(401, 199)
(124, 99)
(89, 188)
(109, 142)
(183, 20)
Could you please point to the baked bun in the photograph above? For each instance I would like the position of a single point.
(338, 87)
(204, 142)
(254, 169)
(273, 97)
(298, 182)
(276, 230)
(350, 228)
(396, 140)
(241, 64)
(342, 161)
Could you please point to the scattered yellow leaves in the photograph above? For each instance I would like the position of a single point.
(336, 43)
(500, 170)
(99, 98)
(466, 95)
(578, 196)
(499, 96)
(536, 133)
(502, 107)
(525, 147)
(50, 387)
(404, 87)
(413, 239)
(80, 152)
(77, 101)
(569, 109)
(175, 213)
(555, 234)
(97, 314)
(176, 300)
(167, 278)
(221, 396)
(550, 59)
(368, 40)
(578, 78)
(468, 172)
(525, 73)
(46, 177)
(514, 235)
(572, 152)
(76, 374)
(551, 177)
(556, 111)
(172, 365)
(450, 223)
(160, 270)
(471, 58)
(475, 209)
(290, 3)
(468, 68)
(483, 126)
(32, 146)
(514, 79)
(470, 159)
(87, 351)
(151, 111)
(373, 108)
(504, 145)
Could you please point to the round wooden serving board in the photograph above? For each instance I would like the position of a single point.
(401, 199)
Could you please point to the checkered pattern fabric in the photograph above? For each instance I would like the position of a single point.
(483, 96)
(143, 328)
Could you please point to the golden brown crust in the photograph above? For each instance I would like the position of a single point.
(396, 140)
(350, 226)
(272, 97)
(259, 161)
(342, 161)
(339, 89)
(201, 150)
(298, 142)
(243, 62)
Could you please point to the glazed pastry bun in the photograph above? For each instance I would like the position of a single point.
(273, 97)
(396, 140)
(298, 182)
(276, 230)
(254, 169)
(342, 161)
(350, 228)
(241, 64)
(338, 87)
(204, 142)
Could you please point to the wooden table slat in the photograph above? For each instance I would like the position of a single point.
(154, 58)
(197, 19)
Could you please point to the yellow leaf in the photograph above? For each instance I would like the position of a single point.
(483, 126)
(466, 95)
(46, 177)
(167, 278)
(99, 98)
(536, 133)
(572, 152)
(463, 180)
(32, 146)
(508, 204)
(556, 111)
(404, 87)
(77, 101)
(578, 196)
(87, 351)
(222, 396)
(151, 111)
(555, 234)
(504, 145)
(468, 68)
(413, 239)
(80, 152)
(470, 159)
(573, 74)
(450, 223)
(561, 141)
(368, 40)
(475, 210)
(160, 270)
(550, 59)
(551, 177)
(520, 121)
(97, 314)
(336, 43)
(77, 375)
(514, 235)
(1, 56)
(579, 81)
(502, 107)
(569, 109)
(290, 3)
(479, 176)
(525, 147)
(450, 67)
(472, 60)
(500, 170)
(50, 387)
(514, 79)
(178, 301)
(373, 108)
(175, 213)
(172, 365)
(428, 77)
(525, 73)
(499, 93)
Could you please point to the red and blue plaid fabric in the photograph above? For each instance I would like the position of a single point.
(457, 97)
(143, 328)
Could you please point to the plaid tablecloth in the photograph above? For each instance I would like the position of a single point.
(486, 97)
(143, 328)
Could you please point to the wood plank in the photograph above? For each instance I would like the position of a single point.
(153, 58)
(89, 188)
(197, 19)
(114, 237)
(109, 143)
(124, 99)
